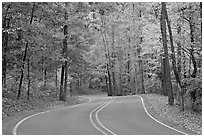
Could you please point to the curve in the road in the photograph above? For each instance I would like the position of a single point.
(97, 119)
(157, 120)
(94, 118)
(20, 122)
(94, 113)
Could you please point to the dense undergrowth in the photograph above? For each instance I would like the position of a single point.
(192, 95)
(43, 98)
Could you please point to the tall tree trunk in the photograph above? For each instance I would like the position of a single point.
(65, 82)
(136, 79)
(107, 55)
(179, 51)
(107, 86)
(25, 54)
(167, 66)
(120, 72)
(109, 72)
(189, 67)
(22, 72)
(175, 69)
(109, 81)
(5, 25)
(120, 82)
(66, 62)
(140, 62)
(114, 83)
(179, 94)
(163, 78)
(56, 79)
(71, 86)
(64, 73)
(184, 66)
(135, 18)
(113, 63)
(192, 40)
(129, 64)
(193, 75)
(4, 57)
(28, 76)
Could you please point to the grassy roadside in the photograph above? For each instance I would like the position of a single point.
(187, 121)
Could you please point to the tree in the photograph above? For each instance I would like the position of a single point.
(5, 25)
(168, 84)
(24, 59)
(174, 64)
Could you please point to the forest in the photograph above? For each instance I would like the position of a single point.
(56, 50)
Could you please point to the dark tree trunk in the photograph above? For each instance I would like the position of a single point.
(172, 50)
(71, 90)
(109, 72)
(180, 93)
(5, 25)
(107, 89)
(4, 57)
(140, 62)
(44, 79)
(189, 67)
(63, 87)
(65, 82)
(22, 72)
(179, 52)
(192, 39)
(108, 65)
(114, 84)
(56, 79)
(28, 67)
(25, 54)
(113, 63)
(61, 84)
(163, 78)
(175, 69)
(120, 77)
(193, 75)
(66, 63)
(142, 91)
(167, 66)
(109, 81)
(184, 66)
(129, 60)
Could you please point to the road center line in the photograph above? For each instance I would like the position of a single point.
(96, 110)
(97, 119)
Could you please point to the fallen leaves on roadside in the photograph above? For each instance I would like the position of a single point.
(188, 119)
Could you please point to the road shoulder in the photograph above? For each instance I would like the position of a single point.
(154, 109)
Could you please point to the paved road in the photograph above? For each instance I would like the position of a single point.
(102, 115)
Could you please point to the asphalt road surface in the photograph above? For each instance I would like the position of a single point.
(101, 115)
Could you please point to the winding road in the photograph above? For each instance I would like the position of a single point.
(102, 115)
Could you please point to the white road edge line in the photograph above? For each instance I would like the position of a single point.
(91, 120)
(97, 119)
(20, 122)
(157, 120)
